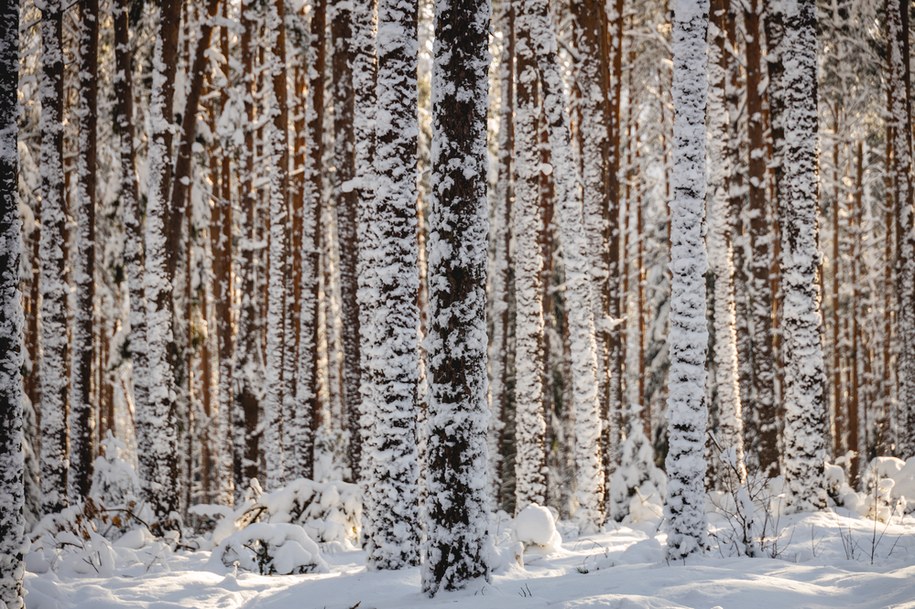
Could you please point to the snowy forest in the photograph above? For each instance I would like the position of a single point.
(393, 303)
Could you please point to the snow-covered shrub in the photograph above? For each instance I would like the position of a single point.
(331, 512)
(837, 487)
(637, 490)
(271, 549)
(536, 526)
(888, 481)
(114, 480)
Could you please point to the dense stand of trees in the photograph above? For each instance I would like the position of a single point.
(479, 255)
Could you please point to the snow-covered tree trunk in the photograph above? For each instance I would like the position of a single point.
(593, 82)
(500, 272)
(276, 153)
(157, 440)
(805, 376)
(389, 279)
(302, 426)
(130, 205)
(53, 348)
(82, 351)
(347, 198)
(585, 406)
(530, 420)
(719, 240)
(901, 120)
(687, 413)
(456, 504)
(12, 455)
(248, 364)
(761, 243)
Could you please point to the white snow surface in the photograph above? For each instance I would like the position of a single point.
(824, 561)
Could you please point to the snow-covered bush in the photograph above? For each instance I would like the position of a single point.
(114, 480)
(271, 549)
(536, 526)
(637, 490)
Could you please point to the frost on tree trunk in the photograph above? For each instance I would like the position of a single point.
(346, 202)
(456, 504)
(157, 441)
(130, 205)
(302, 425)
(53, 350)
(12, 457)
(248, 364)
(525, 251)
(276, 153)
(81, 433)
(805, 376)
(761, 235)
(901, 120)
(389, 279)
(729, 432)
(687, 413)
(589, 478)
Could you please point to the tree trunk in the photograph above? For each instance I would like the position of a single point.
(688, 340)
(805, 403)
(53, 349)
(456, 506)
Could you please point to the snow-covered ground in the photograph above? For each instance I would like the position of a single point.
(828, 559)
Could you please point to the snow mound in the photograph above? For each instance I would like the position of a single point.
(272, 549)
(535, 525)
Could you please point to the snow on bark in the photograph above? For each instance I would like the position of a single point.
(687, 413)
(82, 353)
(805, 376)
(12, 400)
(585, 406)
(525, 249)
(456, 504)
(130, 206)
(303, 422)
(157, 440)
(389, 280)
(53, 349)
(347, 199)
(719, 241)
(276, 159)
(901, 121)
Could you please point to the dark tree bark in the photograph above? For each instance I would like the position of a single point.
(456, 505)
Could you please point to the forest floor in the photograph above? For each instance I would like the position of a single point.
(823, 560)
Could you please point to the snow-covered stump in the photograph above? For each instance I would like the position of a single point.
(12, 463)
(53, 348)
(589, 477)
(389, 284)
(805, 377)
(456, 504)
(688, 341)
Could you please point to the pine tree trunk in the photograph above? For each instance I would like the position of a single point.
(12, 455)
(688, 340)
(248, 363)
(157, 441)
(527, 261)
(131, 206)
(389, 278)
(456, 506)
(585, 404)
(761, 237)
(82, 350)
(53, 348)
(901, 118)
(729, 432)
(805, 402)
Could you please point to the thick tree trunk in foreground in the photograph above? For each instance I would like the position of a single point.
(456, 504)
(12, 462)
